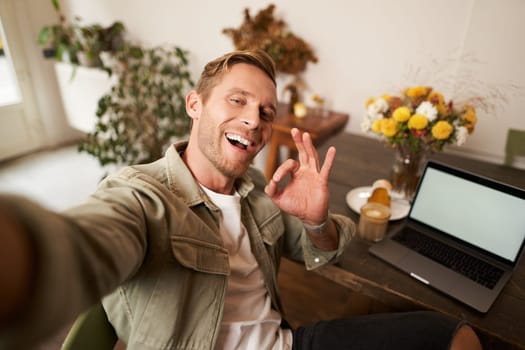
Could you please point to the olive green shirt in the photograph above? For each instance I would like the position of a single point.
(148, 240)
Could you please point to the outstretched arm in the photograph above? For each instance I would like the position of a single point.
(306, 194)
(16, 265)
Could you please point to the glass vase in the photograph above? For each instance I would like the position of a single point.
(406, 171)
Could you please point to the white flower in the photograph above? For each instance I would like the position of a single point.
(366, 124)
(461, 135)
(428, 110)
(376, 109)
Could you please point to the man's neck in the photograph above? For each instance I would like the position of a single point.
(207, 175)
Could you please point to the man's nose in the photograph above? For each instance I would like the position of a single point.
(251, 117)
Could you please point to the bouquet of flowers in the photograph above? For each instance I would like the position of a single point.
(419, 119)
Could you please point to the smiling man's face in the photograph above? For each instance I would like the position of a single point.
(235, 122)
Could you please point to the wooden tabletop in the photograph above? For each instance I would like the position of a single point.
(315, 123)
(320, 127)
(360, 161)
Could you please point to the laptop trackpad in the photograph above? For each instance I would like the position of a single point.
(429, 272)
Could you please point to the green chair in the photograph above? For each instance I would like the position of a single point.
(515, 145)
(91, 330)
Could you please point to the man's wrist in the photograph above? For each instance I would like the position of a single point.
(317, 229)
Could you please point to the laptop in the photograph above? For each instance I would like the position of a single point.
(464, 235)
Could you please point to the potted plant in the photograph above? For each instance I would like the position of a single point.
(130, 115)
(79, 44)
(145, 110)
(263, 31)
(290, 52)
(81, 74)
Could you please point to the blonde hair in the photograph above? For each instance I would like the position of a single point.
(214, 70)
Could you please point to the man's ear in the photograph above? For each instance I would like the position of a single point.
(193, 104)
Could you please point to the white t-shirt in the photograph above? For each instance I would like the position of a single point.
(249, 322)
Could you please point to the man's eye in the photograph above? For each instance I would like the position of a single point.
(236, 100)
(268, 115)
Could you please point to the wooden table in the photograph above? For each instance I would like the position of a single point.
(361, 160)
(320, 128)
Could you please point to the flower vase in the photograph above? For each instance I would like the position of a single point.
(406, 171)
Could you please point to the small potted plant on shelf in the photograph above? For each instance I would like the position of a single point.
(79, 44)
(78, 51)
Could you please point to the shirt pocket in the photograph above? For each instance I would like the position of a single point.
(200, 256)
(272, 229)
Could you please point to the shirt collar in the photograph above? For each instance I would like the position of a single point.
(182, 182)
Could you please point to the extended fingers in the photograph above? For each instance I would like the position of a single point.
(298, 140)
(306, 151)
(313, 158)
(328, 162)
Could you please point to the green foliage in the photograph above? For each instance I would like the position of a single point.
(145, 110)
(73, 42)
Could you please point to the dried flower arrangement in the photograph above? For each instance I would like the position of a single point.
(290, 53)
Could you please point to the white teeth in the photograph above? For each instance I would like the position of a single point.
(238, 138)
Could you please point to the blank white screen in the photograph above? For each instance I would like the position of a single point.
(481, 216)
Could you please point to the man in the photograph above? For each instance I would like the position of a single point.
(188, 247)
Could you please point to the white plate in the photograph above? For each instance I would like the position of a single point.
(356, 198)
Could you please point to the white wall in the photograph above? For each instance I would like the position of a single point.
(31, 16)
(365, 47)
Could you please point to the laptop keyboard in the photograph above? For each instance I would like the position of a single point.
(465, 264)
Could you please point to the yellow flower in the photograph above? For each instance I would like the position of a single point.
(418, 122)
(389, 127)
(369, 101)
(376, 125)
(417, 91)
(470, 118)
(318, 100)
(439, 101)
(442, 130)
(420, 115)
(401, 114)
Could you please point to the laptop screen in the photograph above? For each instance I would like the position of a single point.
(483, 213)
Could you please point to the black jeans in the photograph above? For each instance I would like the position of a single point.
(410, 330)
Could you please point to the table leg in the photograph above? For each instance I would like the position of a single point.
(272, 158)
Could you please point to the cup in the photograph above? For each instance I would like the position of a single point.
(373, 221)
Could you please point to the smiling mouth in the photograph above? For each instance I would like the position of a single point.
(238, 141)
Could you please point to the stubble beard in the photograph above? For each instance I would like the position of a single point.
(211, 143)
(210, 147)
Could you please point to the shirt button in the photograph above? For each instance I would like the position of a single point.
(317, 260)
